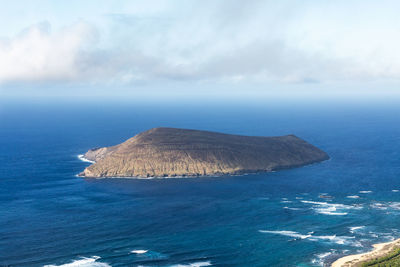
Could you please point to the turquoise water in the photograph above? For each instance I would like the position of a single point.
(307, 216)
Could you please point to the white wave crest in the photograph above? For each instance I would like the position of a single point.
(288, 208)
(386, 205)
(82, 157)
(287, 233)
(330, 208)
(395, 205)
(395, 190)
(314, 202)
(194, 264)
(340, 240)
(355, 228)
(355, 196)
(139, 251)
(324, 255)
(320, 258)
(331, 211)
(365, 192)
(83, 262)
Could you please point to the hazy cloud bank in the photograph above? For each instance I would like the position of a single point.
(228, 41)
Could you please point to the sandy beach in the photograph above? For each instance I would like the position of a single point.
(380, 250)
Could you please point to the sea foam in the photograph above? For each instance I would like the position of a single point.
(340, 240)
(320, 260)
(287, 233)
(330, 208)
(385, 205)
(82, 158)
(289, 208)
(194, 264)
(83, 262)
(139, 251)
(355, 228)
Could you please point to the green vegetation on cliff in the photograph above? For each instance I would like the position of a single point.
(391, 260)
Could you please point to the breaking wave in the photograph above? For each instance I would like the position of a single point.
(82, 158)
(385, 205)
(287, 233)
(320, 260)
(340, 240)
(139, 251)
(354, 197)
(288, 208)
(331, 208)
(355, 228)
(194, 264)
(83, 262)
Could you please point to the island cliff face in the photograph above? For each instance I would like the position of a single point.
(169, 152)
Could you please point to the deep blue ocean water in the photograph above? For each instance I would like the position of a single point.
(306, 216)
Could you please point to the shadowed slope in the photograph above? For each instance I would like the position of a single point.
(161, 152)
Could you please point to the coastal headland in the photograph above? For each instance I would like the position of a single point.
(383, 254)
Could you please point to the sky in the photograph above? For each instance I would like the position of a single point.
(169, 48)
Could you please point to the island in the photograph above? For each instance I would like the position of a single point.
(172, 152)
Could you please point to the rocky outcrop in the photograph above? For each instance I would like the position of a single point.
(169, 152)
(95, 154)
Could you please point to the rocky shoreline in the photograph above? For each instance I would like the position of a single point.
(380, 250)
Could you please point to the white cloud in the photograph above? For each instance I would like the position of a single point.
(38, 54)
(285, 41)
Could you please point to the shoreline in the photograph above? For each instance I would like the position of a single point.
(237, 173)
(380, 250)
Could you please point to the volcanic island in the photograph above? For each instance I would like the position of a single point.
(172, 152)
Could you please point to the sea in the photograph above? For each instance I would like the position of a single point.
(307, 216)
